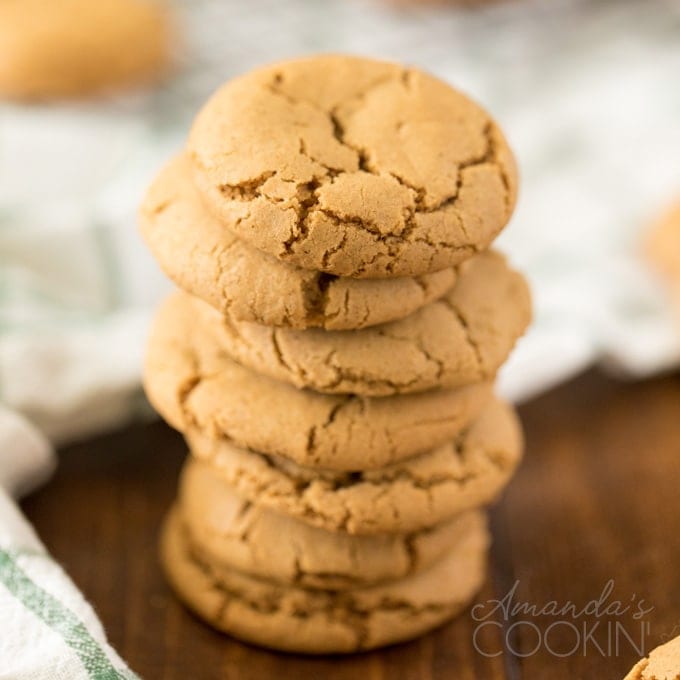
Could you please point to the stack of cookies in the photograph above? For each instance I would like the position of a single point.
(331, 356)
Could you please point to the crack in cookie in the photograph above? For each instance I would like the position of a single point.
(353, 167)
(406, 496)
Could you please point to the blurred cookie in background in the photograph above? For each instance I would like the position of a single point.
(70, 48)
(663, 248)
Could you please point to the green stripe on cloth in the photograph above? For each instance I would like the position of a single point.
(60, 619)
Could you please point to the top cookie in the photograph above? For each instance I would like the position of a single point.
(73, 47)
(353, 167)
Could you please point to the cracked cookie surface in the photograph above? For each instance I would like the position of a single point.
(353, 167)
(325, 621)
(209, 261)
(239, 534)
(193, 384)
(407, 496)
(662, 664)
(69, 48)
(459, 339)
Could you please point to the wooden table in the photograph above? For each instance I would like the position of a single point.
(597, 498)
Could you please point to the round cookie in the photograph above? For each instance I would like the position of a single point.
(663, 248)
(460, 339)
(402, 497)
(353, 167)
(320, 621)
(63, 48)
(207, 260)
(662, 664)
(235, 533)
(193, 384)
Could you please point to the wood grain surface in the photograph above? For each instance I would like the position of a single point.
(597, 499)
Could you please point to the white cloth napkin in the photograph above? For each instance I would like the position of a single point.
(47, 629)
(587, 93)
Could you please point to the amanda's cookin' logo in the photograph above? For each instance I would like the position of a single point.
(604, 626)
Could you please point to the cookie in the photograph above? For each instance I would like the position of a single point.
(402, 497)
(662, 664)
(239, 534)
(193, 384)
(353, 167)
(207, 260)
(462, 338)
(66, 48)
(309, 621)
(663, 247)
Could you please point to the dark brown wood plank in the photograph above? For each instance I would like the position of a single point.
(595, 499)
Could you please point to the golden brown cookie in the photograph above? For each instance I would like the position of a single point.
(662, 664)
(239, 534)
(193, 384)
(402, 497)
(63, 48)
(294, 619)
(462, 338)
(207, 260)
(353, 167)
(663, 248)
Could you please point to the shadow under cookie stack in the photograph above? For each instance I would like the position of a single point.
(330, 359)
